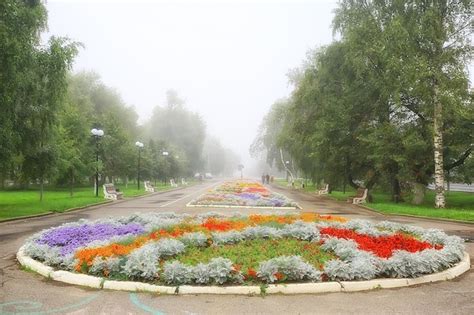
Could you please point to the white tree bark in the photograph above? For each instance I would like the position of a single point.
(286, 167)
(440, 201)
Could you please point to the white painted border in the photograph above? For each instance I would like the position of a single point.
(242, 207)
(293, 288)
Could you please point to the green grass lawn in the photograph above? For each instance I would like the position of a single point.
(460, 205)
(19, 203)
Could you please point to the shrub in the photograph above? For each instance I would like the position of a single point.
(143, 262)
(287, 268)
(177, 273)
(197, 239)
(231, 237)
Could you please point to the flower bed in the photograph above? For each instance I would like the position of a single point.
(177, 249)
(243, 194)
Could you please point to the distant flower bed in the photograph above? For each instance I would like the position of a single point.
(244, 194)
(170, 248)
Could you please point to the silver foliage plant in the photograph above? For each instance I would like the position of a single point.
(101, 266)
(217, 271)
(231, 237)
(169, 247)
(291, 267)
(143, 263)
(197, 239)
(177, 273)
(301, 230)
(259, 231)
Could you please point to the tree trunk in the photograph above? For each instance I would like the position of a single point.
(438, 151)
(41, 188)
(351, 182)
(3, 180)
(71, 192)
(448, 179)
(418, 193)
(396, 190)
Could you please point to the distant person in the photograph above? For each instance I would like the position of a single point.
(263, 179)
(267, 179)
(272, 179)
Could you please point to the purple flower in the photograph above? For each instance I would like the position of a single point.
(249, 196)
(69, 238)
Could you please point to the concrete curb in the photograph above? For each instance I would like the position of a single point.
(138, 286)
(292, 288)
(236, 290)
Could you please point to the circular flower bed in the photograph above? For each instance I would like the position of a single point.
(170, 248)
(243, 194)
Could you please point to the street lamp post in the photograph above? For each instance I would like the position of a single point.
(97, 134)
(165, 153)
(139, 146)
(241, 169)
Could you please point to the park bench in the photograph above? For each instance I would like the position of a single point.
(173, 183)
(111, 193)
(184, 182)
(148, 186)
(324, 191)
(360, 197)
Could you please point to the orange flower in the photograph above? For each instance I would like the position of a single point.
(279, 276)
(251, 274)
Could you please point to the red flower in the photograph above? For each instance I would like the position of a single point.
(279, 276)
(251, 274)
(382, 246)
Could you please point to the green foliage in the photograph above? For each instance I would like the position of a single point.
(218, 159)
(20, 24)
(249, 253)
(180, 128)
(362, 109)
(33, 88)
(270, 133)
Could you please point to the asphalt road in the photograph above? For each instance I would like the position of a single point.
(23, 292)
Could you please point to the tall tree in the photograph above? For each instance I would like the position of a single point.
(33, 85)
(181, 128)
(20, 24)
(425, 46)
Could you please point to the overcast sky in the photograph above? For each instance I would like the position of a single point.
(227, 59)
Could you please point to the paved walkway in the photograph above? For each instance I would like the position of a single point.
(25, 292)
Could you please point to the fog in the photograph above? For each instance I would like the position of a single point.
(227, 59)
